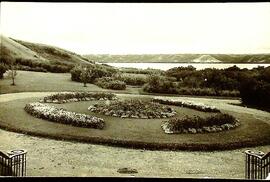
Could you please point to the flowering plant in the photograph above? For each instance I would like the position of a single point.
(52, 113)
(216, 123)
(191, 105)
(64, 97)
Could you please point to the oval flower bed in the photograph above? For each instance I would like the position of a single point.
(191, 105)
(64, 97)
(133, 109)
(217, 123)
(52, 113)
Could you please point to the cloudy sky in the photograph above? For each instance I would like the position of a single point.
(115, 28)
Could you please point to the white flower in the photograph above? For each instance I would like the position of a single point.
(61, 115)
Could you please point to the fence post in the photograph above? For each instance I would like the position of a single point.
(257, 165)
(13, 163)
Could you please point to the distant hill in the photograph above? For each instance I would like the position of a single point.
(182, 58)
(206, 59)
(38, 53)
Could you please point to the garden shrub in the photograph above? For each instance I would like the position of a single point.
(54, 114)
(133, 108)
(148, 71)
(3, 69)
(135, 80)
(95, 70)
(77, 96)
(191, 105)
(34, 65)
(255, 92)
(157, 84)
(110, 83)
(216, 123)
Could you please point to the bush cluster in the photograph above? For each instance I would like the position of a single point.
(196, 106)
(54, 114)
(142, 71)
(135, 80)
(110, 83)
(255, 89)
(157, 84)
(3, 69)
(77, 96)
(207, 92)
(216, 123)
(34, 65)
(28, 68)
(133, 108)
(224, 79)
(95, 71)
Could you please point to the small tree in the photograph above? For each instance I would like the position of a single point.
(85, 75)
(13, 73)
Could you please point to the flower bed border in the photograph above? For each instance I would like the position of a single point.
(168, 128)
(101, 109)
(54, 114)
(191, 105)
(64, 97)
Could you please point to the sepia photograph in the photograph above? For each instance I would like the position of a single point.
(135, 90)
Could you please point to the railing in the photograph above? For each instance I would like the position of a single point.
(257, 165)
(13, 163)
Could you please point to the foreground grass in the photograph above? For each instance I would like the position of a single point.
(135, 133)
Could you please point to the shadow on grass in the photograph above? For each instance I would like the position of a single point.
(251, 106)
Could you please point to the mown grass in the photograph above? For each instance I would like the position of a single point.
(135, 133)
(27, 81)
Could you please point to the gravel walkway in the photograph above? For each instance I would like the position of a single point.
(48, 157)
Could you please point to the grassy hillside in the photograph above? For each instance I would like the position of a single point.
(53, 54)
(183, 58)
(14, 50)
(38, 57)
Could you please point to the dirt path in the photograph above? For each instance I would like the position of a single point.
(61, 158)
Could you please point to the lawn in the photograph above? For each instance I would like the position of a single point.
(135, 133)
(27, 81)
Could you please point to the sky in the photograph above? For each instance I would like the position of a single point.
(141, 28)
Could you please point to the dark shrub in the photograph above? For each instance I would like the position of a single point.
(133, 108)
(3, 69)
(157, 84)
(135, 80)
(60, 97)
(180, 72)
(141, 71)
(97, 71)
(110, 83)
(178, 124)
(255, 92)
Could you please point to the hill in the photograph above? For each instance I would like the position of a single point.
(54, 54)
(206, 59)
(182, 58)
(32, 56)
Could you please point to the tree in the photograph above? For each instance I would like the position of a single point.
(85, 75)
(13, 73)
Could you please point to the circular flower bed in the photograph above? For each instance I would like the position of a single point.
(64, 97)
(191, 105)
(62, 116)
(217, 123)
(133, 109)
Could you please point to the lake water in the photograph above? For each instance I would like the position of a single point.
(198, 66)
